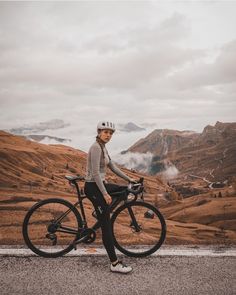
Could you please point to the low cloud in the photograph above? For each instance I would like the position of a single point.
(170, 172)
(135, 161)
(142, 162)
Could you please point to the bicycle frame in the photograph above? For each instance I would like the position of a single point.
(69, 230)
(122, 208)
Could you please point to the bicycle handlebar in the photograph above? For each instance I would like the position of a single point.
(139, 184)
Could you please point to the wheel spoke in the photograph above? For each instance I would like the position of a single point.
(50, 227)
(134, 229)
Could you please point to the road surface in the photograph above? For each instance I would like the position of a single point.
(168, 273)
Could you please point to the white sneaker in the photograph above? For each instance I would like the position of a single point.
(121, 267)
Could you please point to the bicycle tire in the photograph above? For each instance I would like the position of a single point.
(125, 249)
(29, 214)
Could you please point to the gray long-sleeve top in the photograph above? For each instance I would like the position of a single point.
(96, 166)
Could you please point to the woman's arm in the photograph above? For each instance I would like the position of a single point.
(95, 166)
(117, 171)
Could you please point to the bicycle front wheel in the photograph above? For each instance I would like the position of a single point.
(139, 229)
(50, 227)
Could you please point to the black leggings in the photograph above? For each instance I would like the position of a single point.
(103, 213)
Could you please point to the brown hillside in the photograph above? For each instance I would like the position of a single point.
(31, 171)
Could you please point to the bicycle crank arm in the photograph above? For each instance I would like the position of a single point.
(78, 241)
(88, 236)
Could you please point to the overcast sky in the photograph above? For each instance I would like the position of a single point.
(157, 64)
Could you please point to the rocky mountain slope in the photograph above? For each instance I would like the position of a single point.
(161, 141)
(210, 154)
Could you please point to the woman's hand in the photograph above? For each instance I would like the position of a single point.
(108, 198)
(133, 180)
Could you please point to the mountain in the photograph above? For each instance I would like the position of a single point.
(130, 127)
(39, 127)
(25, 163)
(40, 138)
(32, 171)
(210, 154)
(161, 141)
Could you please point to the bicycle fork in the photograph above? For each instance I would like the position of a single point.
(137, 227)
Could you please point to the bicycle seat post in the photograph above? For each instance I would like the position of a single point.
(77, 188)
(73, 181)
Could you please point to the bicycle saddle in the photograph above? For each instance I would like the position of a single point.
(74, 178)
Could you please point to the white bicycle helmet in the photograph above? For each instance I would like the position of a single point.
(106, 125)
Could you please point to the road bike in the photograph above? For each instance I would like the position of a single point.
(54, 226)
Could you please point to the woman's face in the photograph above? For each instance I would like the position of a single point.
(105, 135)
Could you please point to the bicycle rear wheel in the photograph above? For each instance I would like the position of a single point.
(50, 227)
(139, 229)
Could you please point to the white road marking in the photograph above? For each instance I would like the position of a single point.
(102, 252)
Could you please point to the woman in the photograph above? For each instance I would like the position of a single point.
(97, 189)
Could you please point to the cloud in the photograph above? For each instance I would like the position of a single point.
(149, 53)
(221, 71)
(170, 172)
(137, 161)
(153, 63)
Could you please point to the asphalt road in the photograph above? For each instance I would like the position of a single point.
(91, 275)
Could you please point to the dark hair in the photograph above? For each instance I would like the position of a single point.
(98, 139)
